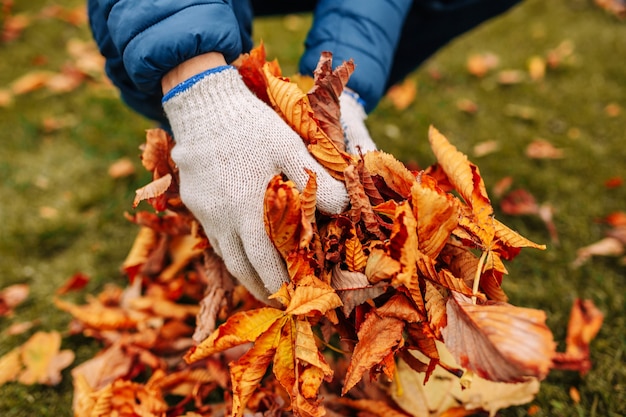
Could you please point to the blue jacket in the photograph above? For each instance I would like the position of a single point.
(143, 39)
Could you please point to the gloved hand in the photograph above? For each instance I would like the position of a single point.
(229, 144)
(353, 122)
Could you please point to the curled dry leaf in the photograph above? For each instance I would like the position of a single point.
(498, 341)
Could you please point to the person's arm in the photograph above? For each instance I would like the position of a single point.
(142, 40)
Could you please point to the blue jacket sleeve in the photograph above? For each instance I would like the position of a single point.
(367, 32)
(143, 40)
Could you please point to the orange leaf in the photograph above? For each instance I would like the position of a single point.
(102, 317)
(378, 336)
(240, 328)
(155, 155)
(395, 175)
(372, 407)
(381, 266)
(516, 340)
(247, 372)
(466, 179)
(296, 110)
(355, 257)
(584, 324)
(403, 94)
(308, 198)
(251, 69)
(436, 214)
(283, 215)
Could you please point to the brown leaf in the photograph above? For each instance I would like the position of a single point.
(498, 341)
(371, 407)
(324, 96)
(608, 246)
(378, 336)
(104, 368)
(219, 287)
(353, 288)
(360, 203)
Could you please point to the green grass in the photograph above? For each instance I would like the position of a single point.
(66, 170)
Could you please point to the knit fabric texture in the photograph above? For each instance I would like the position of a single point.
(353, 117)
(229, 144)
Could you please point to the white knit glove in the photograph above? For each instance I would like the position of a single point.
(353, 122)
(229, 144)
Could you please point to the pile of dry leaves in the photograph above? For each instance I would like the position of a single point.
(394, 307)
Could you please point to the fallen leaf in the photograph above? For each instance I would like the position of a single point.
(443, 391)
(480, 64)
(542, 149)
(511, 76)
(74, 283)
(485, 148)
(608, 246)
(121, 168)
(11, 297)
(537, 68)
(402, 95)
(43, 360)
(467, 106)
(10, 366)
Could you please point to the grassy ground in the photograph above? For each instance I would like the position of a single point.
(61, 213)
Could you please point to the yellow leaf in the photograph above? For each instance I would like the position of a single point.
(10, 366)
(242, 327)
(42, 359)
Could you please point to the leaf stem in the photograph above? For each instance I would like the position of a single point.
(479, 271)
